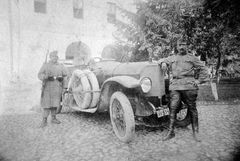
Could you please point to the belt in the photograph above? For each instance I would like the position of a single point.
(60, 79)
(182, 76)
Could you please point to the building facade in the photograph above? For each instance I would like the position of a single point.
(29, 28)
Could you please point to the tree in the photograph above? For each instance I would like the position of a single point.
(210, 27)
(226, 11)
(155, 27)
(213, 29)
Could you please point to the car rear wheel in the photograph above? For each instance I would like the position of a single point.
(122, 117)
(183, 117)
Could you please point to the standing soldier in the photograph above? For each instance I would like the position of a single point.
(183, 85)
(53, 74)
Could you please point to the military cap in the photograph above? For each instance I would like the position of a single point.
(53, 53)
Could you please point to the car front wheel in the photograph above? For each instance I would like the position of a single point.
(122, 117)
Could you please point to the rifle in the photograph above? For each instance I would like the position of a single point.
(44, 81)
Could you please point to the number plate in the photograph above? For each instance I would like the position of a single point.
(163, 112)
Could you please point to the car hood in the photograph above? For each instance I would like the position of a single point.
(134, 69)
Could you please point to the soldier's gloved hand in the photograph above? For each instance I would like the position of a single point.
(50, 78)
(60, 78)
(194, 83)
(164, 66)
(45, 77)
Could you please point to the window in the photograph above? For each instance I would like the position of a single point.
(78, 9)
(40, 6)
(111, 14)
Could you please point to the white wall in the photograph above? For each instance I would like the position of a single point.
(33, 33)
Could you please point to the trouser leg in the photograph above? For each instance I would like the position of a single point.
(53, 114)
(190, 98)
(45, 113)
(175, 98)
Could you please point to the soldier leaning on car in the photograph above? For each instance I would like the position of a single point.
(53, 74)
(183, 85)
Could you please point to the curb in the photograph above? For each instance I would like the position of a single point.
(232, 102)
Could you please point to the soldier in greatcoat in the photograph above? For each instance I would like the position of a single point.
(54, 77)
(183, 85)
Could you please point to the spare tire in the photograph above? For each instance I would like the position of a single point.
(80, 88)
(95, 91)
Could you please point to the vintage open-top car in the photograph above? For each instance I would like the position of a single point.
(134, 93)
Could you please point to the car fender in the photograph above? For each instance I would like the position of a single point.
(119, 83)
(126, 81)
(108, 86)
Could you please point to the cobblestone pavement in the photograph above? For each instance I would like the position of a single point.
(84, 136)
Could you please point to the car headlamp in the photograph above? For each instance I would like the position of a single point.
(146, 84)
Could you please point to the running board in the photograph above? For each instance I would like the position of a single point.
(90, 110)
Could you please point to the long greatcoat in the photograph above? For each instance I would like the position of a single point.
(52, 90)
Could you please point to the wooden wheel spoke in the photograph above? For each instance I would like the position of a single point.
(78, 89)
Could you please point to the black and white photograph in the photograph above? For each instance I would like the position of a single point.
(119, 80)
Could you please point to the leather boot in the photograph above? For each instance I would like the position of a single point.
(171, 133)
(54, 120)
(44, 122)
(195, 126)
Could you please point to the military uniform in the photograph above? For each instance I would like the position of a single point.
(183, 87)
(182, 68)
(53, 75)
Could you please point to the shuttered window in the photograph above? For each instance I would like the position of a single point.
(78, 7)
(111, 14)
(40, 6)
